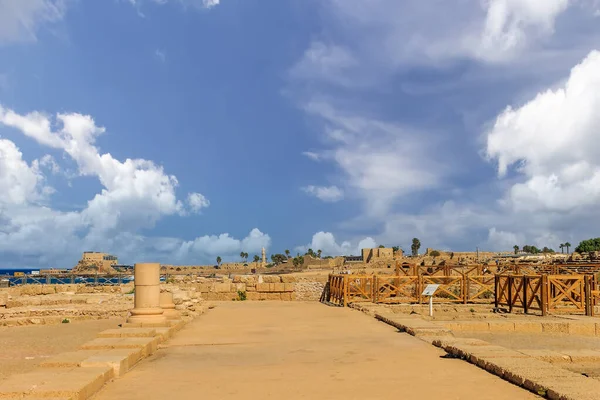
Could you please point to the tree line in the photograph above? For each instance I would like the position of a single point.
(585, 246)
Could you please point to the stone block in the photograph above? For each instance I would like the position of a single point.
(3, 299)
(288, 287)
(273, 296)
(501, 326)
(582, 355)
(262, 287)
(250, 288)
(474, 326)
(13, 303)
(120, 360)
(582, 328)
(164, 333)
(528, 327)
(271, 279)
(279, 287)
(180, 297)
(286, 296)
(69, 359)
(148, 345)
(547, 355)
(127, 332)
(263, 295)
(222, 287)
(555, 327)
(74, 383)
(288, 279)
(48, 289)
(241, 287)
(204, 288)
(252, 296)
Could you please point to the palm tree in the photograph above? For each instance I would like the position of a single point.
(567, 245)
(219, 261)
(287, 253)
(562, 246)
(516, 248)
(256, 258)
(319, 253)
(416, 244)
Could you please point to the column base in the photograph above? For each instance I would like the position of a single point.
(150, 316)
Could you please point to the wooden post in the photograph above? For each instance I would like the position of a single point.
(345, 290)
(375, 289)
(544, 294)
(525, 285)
(465, 287)
(587, 288)
(496, 287)
(510, 298)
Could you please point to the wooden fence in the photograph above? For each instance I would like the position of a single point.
(543, 293)
(547, 293)
(345, 288)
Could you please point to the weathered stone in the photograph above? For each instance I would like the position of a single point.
(222, 287)
(271, 279)
(288, 279)
(3, 299)
(262, 287)
(279, 287)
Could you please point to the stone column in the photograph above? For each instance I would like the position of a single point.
(264, 257)
(147, 295)
(168, 306)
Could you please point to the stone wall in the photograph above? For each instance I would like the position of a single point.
(310, 288)
(38, 290)
(188, 269)
(256, 287)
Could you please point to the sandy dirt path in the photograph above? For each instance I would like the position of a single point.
(22, 348)
(278, 350)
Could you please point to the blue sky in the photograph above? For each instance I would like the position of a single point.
(179, 130)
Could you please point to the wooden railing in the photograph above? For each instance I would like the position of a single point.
(544, 293)
(344, 288)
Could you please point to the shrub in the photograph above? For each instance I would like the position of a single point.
(66, 321)
(241, 295)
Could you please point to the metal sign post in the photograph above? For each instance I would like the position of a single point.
(430, 291)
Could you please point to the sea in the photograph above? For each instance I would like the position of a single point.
(9, 271)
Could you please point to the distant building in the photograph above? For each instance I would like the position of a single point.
(101, 261)
(353, 259)
(369, 255)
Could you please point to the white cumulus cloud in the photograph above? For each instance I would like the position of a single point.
(326, 242)
(136, 193)
(21, 19)
(196, 202)
(329, 194)
(553, 142)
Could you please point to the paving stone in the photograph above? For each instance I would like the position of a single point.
(582, 328)
(75, 383)
(68, 360)
(149, 345)
(582, 355)
(120, 360)
(528, 327)
(127, 332)
(547, 355)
